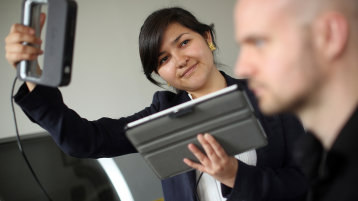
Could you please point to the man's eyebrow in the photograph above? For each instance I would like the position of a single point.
(251, 38)
(174, 41)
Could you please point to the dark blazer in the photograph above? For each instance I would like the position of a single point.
(276, 176)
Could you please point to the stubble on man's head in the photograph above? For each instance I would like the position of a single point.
(308, 10)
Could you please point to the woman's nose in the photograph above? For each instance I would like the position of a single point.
(181, 60)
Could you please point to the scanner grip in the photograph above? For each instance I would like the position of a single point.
(31, 18)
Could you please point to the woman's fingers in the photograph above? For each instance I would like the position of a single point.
(215, 146)
(203, 159)
(214, 161)
(214, 156)
(16, 50)
(207, 146)
(19, 37)
(194, 165)
(200, 156)
(13, 58)
(22, 29)
(22, 49)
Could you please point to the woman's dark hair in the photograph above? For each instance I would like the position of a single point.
(151, 33)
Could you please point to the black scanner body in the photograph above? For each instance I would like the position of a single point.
(59, 43)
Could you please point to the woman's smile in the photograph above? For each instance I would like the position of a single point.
(189, 71)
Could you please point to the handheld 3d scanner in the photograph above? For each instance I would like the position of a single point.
(59, 43)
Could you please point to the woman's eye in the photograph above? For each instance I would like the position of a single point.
(163, 60)
(184, 42)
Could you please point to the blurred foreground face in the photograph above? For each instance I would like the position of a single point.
(276, 54)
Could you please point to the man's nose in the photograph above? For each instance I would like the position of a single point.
(243, 67)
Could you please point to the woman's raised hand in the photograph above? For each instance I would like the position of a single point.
(17, 51)
(215, 162)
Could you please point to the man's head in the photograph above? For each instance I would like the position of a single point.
(289, 49)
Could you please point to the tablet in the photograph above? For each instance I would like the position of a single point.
(227, 114)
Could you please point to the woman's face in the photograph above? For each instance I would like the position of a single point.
(185, 60)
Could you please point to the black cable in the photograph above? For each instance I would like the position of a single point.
(196, 187)
(19, 142)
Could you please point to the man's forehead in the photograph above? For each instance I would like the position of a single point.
(259, 15)
(262, 7)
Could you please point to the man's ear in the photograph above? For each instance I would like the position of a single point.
(331, 34)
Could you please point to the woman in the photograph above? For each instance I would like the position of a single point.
(174, 45)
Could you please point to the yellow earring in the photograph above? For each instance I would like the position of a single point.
(211, 46)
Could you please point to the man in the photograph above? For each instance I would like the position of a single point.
(301, 56)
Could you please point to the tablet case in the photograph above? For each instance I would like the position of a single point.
(227, 114)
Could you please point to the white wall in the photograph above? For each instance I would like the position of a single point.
(107, 71)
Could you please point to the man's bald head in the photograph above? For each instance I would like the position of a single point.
(308, 10)
(289, 47)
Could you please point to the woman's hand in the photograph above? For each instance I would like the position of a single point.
(216, 162)
(17, 51)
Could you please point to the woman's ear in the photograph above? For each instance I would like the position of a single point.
(331, 35)
(208, 37)
(209, 41)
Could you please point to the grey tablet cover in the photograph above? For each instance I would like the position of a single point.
(227, 114)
